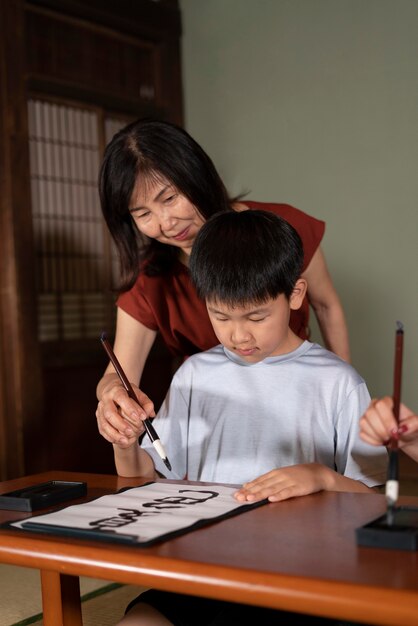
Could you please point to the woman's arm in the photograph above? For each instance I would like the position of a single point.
(118, 416)
(327, 306)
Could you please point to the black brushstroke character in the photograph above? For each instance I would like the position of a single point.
(177, 502)
(118, 521)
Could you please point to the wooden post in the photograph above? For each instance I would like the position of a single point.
(60, 599)
(20, 372)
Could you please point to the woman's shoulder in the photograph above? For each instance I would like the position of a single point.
(290, 213)
(310, 229)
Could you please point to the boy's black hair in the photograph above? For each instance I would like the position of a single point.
(245, 257)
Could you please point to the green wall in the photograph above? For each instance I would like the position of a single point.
(315, 103)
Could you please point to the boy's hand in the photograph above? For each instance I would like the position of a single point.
(284, 483)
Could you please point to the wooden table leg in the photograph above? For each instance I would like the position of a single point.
(61, 599)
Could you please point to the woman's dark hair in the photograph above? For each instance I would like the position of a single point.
(153, 149)
(245, 257)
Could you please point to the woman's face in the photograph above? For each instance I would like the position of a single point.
(162, 213)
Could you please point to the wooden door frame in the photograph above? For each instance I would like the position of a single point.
(20, 379)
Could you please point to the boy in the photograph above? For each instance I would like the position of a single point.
(264, 408)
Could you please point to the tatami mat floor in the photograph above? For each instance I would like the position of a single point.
(105, 609)
(20, 598)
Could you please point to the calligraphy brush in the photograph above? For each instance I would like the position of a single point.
(392, 484)
(151, 432)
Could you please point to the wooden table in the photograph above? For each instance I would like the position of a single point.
(299, 555)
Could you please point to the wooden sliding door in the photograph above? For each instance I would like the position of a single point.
(72, 74)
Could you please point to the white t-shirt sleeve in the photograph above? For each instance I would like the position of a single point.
(353, 457)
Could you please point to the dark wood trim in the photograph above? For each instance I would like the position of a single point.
(171, 86)
(20, 373)
(68, 92)
(116, 36)
(143, 18)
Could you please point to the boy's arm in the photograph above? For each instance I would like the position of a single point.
(171, 425)
(297, 480)
(338, 482)
(133, 461)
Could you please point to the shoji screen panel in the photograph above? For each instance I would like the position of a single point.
(73, 284)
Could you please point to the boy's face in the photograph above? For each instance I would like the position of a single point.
(256, 331)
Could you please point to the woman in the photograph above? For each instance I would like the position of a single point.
(157, 188)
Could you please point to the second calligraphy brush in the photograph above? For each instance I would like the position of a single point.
(131, 393)
(392, 484)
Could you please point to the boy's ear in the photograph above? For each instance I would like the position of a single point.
(298, 293)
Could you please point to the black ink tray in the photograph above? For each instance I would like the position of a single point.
(42, 495)
(398, 533)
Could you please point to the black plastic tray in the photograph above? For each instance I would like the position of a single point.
(399, 532)
(42, 495)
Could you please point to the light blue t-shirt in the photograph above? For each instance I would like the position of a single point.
(225, 420)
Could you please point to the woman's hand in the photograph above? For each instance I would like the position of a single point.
(119, 418)
(284, 483)
(378, 425)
